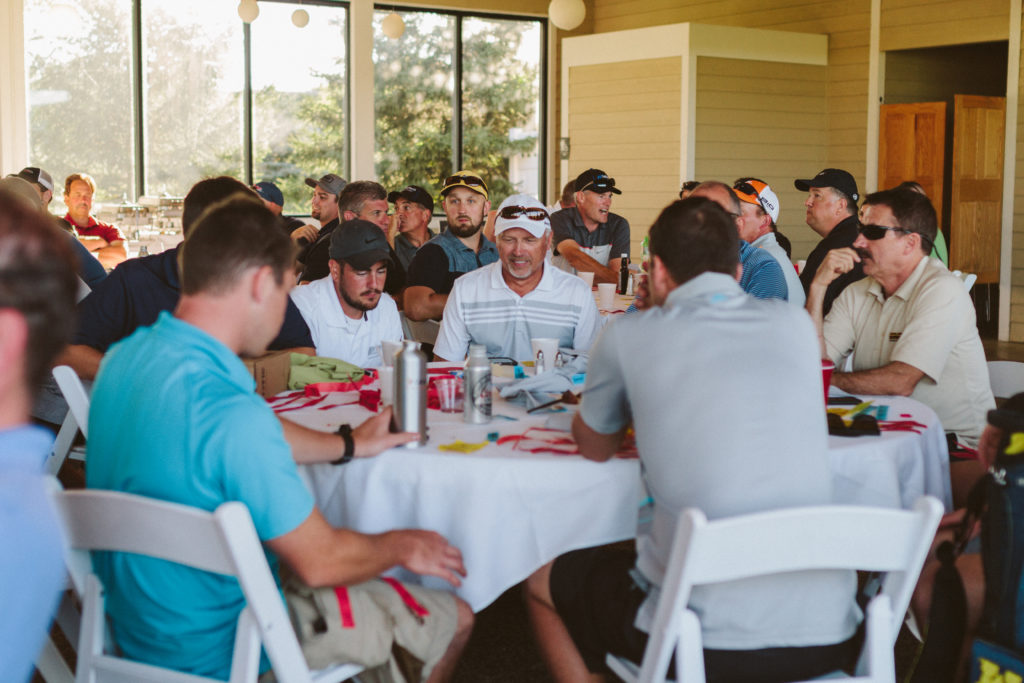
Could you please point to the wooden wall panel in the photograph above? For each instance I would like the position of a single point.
(765, 120)
(624, 118)
(908, 24)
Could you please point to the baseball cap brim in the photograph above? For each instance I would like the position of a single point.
(804, 184)
(535, 228)
(367, 259)
(594, 187)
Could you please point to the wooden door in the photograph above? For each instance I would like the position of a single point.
(912, 146)
(976, 187)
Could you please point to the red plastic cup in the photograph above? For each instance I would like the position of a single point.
(827, 367)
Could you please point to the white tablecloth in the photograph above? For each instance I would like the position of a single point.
(509, 511)
(896, 468)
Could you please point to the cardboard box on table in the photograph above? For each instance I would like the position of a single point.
(271, 371)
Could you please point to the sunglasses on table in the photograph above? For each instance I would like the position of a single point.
(532, 212)
(470, 180)
(876, 232)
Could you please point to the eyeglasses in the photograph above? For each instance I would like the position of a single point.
(877, 232)
(532, 212)
(470, 180)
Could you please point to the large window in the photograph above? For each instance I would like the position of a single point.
(149, 96)
(78, 58)
(459, 91)
(299, 98)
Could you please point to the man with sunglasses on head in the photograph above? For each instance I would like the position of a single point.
(910, 324)
(759, 211)
(459, 249)
(832, 213)
(506, 304)
(589, 237)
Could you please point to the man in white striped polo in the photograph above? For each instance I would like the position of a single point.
(521, 297)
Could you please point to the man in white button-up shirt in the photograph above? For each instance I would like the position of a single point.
(348, 312)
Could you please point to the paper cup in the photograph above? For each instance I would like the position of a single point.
(449, 394)
(827, 367)
(606, 296)
(588, 277)
(548, 347)
(387, 384)
(388, 349)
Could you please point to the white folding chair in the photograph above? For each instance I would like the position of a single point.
(423, 331)
(223, 541)
(827, 537)
(968, 278)
(1006, 377)
(76, 419)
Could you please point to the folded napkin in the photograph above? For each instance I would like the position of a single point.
(313, 369)
(555, 381)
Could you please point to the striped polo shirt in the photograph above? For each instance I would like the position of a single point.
(482, 309)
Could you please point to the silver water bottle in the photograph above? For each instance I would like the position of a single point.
(411, 392)
(477, 386)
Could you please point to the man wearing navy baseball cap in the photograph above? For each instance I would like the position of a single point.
(273, 199)
(589, 237)
(349, 313)
(832, 213)
(413, 209)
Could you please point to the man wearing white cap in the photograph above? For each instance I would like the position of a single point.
(759, 212)
(505, 304)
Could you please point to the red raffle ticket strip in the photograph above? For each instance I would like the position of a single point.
(557, 442)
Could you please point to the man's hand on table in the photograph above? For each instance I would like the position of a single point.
(429, 554)
(374, 435)
(310, 446)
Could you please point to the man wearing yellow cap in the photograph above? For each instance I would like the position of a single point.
(459, 249)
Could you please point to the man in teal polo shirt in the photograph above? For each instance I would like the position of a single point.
(191, 430)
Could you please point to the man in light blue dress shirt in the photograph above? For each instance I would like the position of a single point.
(37, 297)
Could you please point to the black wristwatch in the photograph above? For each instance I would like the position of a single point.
(345, 431)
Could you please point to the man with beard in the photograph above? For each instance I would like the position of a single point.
(324, 208)
(347, 312)
(368, 201)
(456, 251)
(506, 304)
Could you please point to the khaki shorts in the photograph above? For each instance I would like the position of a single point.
(398, 633)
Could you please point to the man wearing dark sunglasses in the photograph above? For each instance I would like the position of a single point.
(459, 249)
(522, 297)
(832, 213)
(910, 324)
(589, 237)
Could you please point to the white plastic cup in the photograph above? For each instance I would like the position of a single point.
(547, 346)
(606, 296)
(387, 384)
(388, 349)
(449, 394)
(588, 277)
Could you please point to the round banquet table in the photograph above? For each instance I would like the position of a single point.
(511, 510)
(897, 467)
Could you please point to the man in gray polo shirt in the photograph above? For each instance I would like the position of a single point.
(588, 236)
(692, 375)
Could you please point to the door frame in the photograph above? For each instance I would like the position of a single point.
(876, 79)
